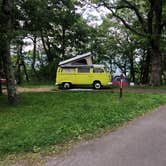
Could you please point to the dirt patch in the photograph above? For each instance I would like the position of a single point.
(48, 89)
(142, 90)
(43, 89)
(21, 90)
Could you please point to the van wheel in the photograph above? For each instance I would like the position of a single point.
(66, 85)
(97, 85)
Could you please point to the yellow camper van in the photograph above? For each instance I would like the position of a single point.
(95, 75)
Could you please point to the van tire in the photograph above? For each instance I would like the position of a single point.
(66, 85)
(97, 85)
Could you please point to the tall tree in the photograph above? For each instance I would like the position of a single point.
(6, 36)
(1, 70)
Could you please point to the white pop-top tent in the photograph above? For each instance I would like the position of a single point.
(84, 59)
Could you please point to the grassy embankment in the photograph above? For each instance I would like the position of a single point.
(43, 119)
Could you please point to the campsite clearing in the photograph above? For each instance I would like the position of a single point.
(44, 119)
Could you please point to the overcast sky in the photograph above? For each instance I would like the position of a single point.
(93, 15)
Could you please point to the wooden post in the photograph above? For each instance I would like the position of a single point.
(121, 86)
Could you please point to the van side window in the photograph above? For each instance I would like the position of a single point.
(68, 70)
(98, 70)
(83, 70)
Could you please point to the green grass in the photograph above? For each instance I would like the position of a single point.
(43, 119)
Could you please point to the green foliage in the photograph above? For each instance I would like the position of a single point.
(44, 119)
(61, 32)
(144, 19)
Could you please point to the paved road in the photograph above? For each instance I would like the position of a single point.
(141, 143)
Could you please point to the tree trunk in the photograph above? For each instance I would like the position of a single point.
(146, 67)
(1, 70)
(11, 87)
(155, 43)
(7, 6)
(156, 68)
(20, 63)
(63, 42)
(0, 89)
(34, 57)
(18, 67)
(19, 80)
(164, 68)
(23, 63)
(132, 71)
(25, 71)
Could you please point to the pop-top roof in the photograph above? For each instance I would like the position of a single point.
(92, 65)
(78, 57)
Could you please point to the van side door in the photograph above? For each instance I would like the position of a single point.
(82, 76)
(68, 74)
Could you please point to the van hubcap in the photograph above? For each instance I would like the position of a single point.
(97, 85)
(66, 85)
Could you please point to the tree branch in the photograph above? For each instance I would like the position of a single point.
(140, 18)
(129, 6)
(127, 25)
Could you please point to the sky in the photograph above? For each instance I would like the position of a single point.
(92, 14)
(29, 45)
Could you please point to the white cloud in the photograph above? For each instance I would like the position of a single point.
(92, 14)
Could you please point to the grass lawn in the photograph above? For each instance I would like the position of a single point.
(43, 119)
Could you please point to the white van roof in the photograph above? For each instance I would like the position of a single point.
(75, 58)
(93, 65)
(70, 66)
